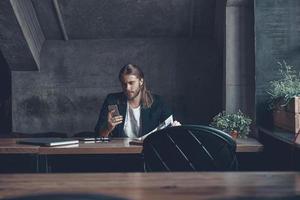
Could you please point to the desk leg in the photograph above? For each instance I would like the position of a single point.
(43, 164)
(37, 164)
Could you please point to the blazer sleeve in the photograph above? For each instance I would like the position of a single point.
(165, 110)
(102, 119)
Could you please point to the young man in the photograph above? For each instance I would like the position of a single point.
(140, 111)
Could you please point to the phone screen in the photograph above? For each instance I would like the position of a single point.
(114, 107)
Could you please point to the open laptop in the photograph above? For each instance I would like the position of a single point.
(48, 142)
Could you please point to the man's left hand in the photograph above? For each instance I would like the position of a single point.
(176, 123)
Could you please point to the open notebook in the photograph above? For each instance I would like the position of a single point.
(48, 142)
(166, 123)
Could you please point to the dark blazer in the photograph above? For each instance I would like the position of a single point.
(150, 117)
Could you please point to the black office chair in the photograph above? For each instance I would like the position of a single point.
(189, 148)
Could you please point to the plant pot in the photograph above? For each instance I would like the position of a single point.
(288, 117)
(234, 134)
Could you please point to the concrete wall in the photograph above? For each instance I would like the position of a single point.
(75, 76)
(239, 59)
(277, 36)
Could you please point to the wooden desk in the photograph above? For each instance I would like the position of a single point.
(115, 146)
(149, 186)
(248, 145)
(9, 146)
(114, 156)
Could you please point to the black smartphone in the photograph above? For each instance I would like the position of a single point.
(115, 108)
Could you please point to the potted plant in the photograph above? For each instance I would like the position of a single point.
(284, 98)
(235, 124)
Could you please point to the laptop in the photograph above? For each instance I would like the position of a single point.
(48, 142)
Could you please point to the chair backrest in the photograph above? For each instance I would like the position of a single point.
(189, 148)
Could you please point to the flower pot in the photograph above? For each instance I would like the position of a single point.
(234, 134)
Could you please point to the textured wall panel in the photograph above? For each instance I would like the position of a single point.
(75, 76)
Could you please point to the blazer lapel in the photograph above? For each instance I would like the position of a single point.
(144, 120)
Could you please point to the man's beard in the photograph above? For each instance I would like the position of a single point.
(135, 94)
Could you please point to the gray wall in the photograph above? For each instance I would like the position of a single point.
(75, 76)
(173, 41)
(277, 36)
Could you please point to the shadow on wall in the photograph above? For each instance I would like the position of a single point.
(5, 97)
(64, 196)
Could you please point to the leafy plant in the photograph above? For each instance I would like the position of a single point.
(229, 122)
(286, 87)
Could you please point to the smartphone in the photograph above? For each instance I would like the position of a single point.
(115, 108)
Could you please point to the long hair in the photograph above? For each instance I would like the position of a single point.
(131, 69)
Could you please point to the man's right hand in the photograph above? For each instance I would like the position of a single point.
(112, 122)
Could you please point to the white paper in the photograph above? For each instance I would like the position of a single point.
(163, 125)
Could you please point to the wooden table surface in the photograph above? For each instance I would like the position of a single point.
(115, 146)
(9, 145)
(188, 185)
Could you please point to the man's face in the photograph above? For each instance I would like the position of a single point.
(131, 86)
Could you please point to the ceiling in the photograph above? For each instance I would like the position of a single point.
(96, 19)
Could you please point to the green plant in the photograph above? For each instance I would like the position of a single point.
(229, 122)
(286, 87)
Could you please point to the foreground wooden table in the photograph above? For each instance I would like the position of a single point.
(155, 185)
(115, 146)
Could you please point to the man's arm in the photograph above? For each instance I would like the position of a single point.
(110, 125)
(101, 123)
(106, 123)
(166, 112)
(104, 132)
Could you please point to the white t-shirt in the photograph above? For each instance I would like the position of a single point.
(132, 124)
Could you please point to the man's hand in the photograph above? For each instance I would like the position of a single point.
(112, 122)
(176, 123)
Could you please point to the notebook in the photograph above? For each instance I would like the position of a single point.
(48, 142)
